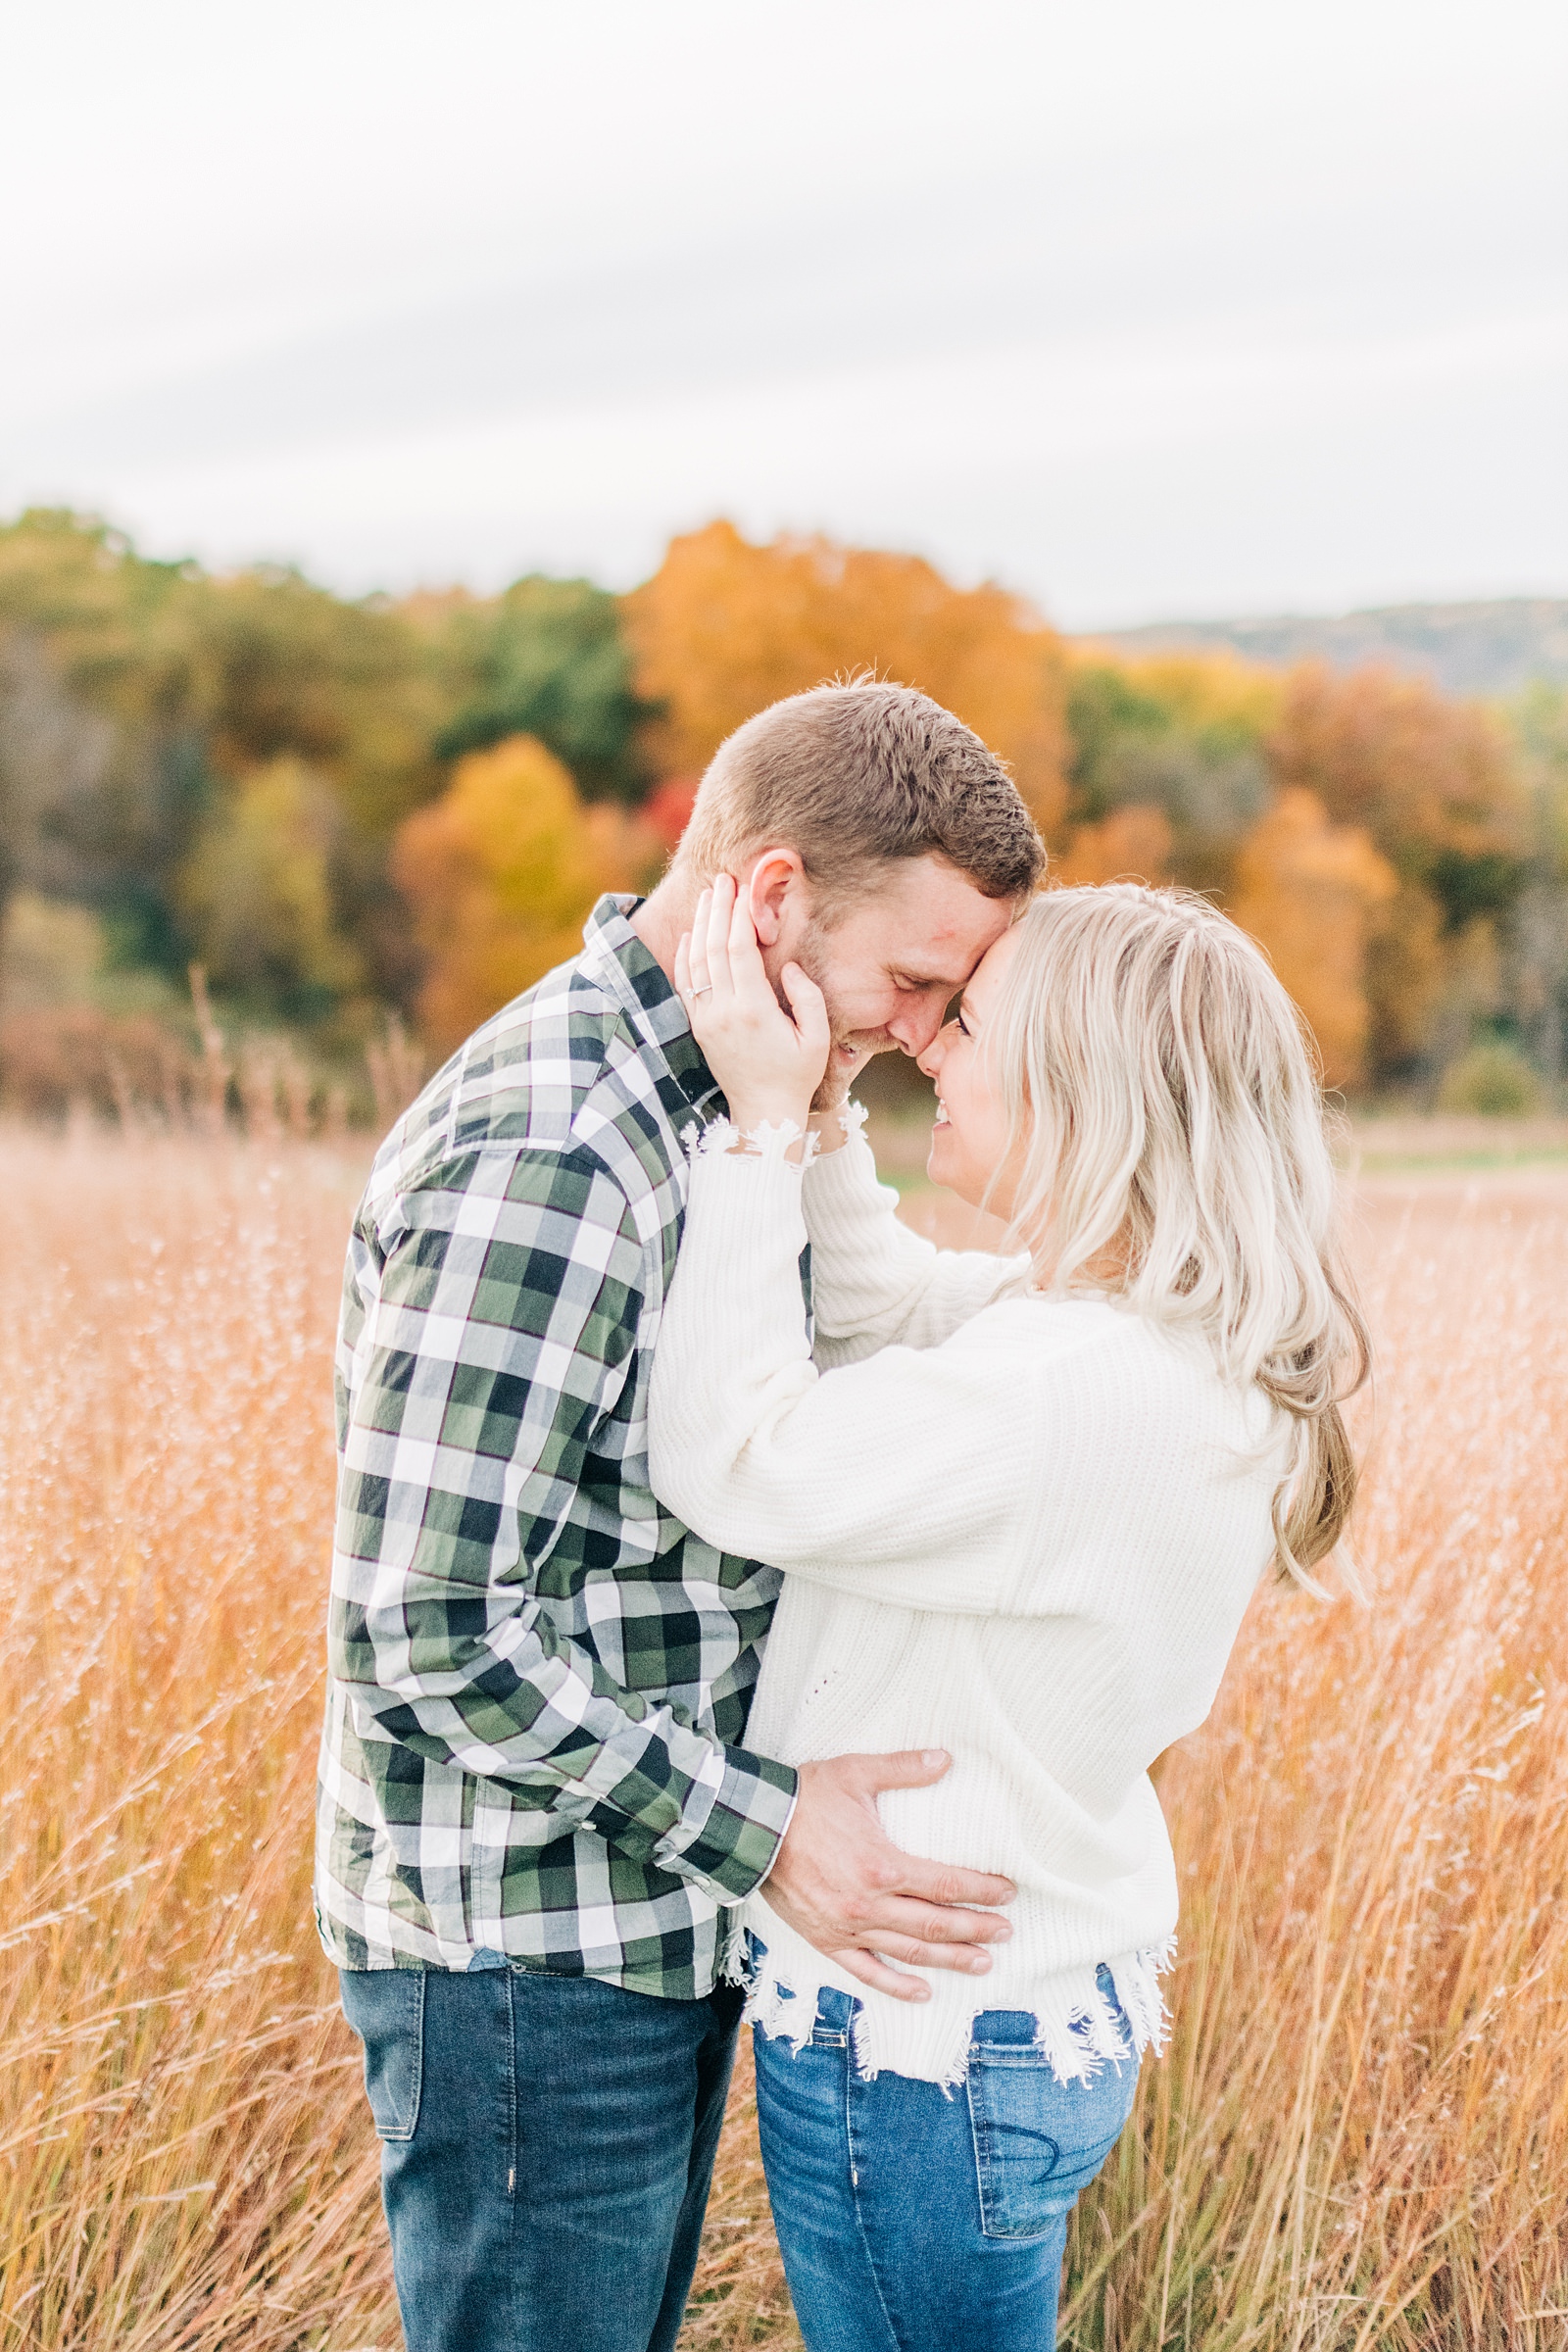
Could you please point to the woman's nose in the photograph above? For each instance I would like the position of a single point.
(931, 1059)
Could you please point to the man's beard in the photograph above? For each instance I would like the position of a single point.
(859, 1043)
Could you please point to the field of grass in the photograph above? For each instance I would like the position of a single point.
(1359, 2135)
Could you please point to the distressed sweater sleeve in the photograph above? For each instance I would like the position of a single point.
(905, 1477)
(875, 1284)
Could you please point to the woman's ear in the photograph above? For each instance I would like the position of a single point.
(773, 876)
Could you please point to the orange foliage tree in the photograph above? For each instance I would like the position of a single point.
(724, 627)
(1435, 782)
(1131, 845)
(501, 874)
(1310, 892)
(1435, 786)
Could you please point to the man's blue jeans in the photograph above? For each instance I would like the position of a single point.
(547, 2144)
(915, 2220)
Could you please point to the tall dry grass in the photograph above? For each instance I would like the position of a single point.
(1359, 2136)
(182, 2159)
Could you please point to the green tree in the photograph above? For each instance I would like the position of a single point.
(549, 659)
(135, 700)
(258, 896)
(1538, 942)
(1184, 738)
(102, 776)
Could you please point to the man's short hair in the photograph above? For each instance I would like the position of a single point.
(853, 777)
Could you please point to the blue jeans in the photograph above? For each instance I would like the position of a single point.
(915, 2220)
(547, 2144)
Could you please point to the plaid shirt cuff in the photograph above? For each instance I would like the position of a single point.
(731, 1829)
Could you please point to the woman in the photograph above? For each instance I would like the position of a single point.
(1022, 1503)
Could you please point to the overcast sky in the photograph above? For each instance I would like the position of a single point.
(1146, 308)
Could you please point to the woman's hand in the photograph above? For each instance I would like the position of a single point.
(768, 1064)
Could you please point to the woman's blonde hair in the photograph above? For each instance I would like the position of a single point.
(1173, 1128)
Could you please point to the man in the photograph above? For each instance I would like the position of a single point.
(536, 1800)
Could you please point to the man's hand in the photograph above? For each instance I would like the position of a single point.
(767, 1055)
(842, 1883)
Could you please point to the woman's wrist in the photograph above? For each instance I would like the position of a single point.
(750, 1112)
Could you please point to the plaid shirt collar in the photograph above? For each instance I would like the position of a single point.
(625, 969)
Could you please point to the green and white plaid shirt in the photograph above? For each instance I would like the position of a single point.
(539, 1680)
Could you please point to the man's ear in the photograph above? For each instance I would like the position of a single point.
(775, 876)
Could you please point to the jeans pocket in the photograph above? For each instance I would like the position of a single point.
(1037, 2141)
(385, 2006)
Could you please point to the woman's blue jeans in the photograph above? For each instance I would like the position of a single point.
(917, 2219)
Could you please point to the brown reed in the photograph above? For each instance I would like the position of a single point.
(1359, 2135)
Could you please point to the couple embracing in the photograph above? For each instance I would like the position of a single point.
(739, 1604)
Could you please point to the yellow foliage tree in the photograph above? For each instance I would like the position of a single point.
(1310, 892)
(1211, 693)
(724, 627)
(501, 874)
(256, 893)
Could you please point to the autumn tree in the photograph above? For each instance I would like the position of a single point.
(276, 666)
(1435, 786)
(257, 893)
(549, 659)
(137, 699)
(1311, 894)
(501, 874)
(1179, 740)
(220, 767)
(724, 627)
(1538, 943)
(98, 781)
(281, 670)
(1134, 843)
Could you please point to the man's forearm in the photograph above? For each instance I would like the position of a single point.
(524, 1706)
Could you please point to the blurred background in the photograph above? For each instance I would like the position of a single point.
(424, 434)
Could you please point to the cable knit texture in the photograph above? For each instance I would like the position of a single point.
(1024, 1529)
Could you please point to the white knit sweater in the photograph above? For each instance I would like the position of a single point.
(1023, 1529)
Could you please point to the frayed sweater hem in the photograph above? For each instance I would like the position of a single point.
(1076, 2028)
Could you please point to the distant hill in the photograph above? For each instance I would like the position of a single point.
(1485, 649)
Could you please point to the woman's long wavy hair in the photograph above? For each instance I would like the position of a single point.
(1172, 1126)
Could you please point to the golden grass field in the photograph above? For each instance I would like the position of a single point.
(1359, 2135)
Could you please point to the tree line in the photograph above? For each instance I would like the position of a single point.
(365, 820)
